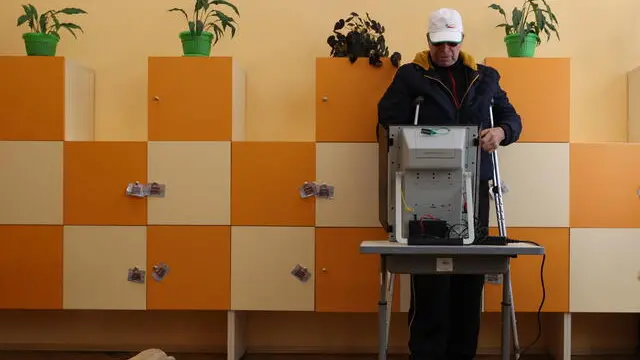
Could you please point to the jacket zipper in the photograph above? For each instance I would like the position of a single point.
(450, 93)
(469, 88)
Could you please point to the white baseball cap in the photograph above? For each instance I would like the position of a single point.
(445, 25)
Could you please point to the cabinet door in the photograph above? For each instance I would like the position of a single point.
(525, 273)
(262, 260)
(97, 260)
(190, 98)
(605, 271)
(347, 98)
(32, 105)
(526, 81)
(96, 175)
(266, 179)
(197, 176)
(538, 192)
(352, 169)
(31, 182)
(198, 260)
(31, 267)
(605, 185)
(347, 280)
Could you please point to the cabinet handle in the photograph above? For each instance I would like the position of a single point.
(156, 98)
(324, 270)
(325, 99)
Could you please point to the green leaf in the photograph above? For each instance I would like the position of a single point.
(56, 23)
(546, 30)
(224, 2)
(551, 15)
(516, 17)
(71, 11)
(43, 23)
(199, 27)
(498, 8)
(553, 28)
(233, 30)
(30, 21)
(200, 4)
(540, 19)
(70, 27)
(182, 11)
(34, 12)
(33, 17)
(218, 32)
(23, 19)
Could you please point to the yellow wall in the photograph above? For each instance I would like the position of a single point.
(280, 100)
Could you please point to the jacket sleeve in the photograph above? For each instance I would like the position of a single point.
(506, 117)
(394, 108)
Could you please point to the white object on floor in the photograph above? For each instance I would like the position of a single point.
(152, 354)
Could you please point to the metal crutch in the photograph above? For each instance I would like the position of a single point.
(506, 281)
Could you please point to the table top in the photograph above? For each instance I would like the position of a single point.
(385, 247)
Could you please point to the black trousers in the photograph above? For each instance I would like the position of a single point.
(445, 310)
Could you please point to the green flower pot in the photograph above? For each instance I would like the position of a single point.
(39, 44)
(196, 45)
(516, 48)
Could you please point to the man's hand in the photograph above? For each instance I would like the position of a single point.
(490, 139)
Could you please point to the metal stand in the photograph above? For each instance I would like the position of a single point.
(508, 309)
(384, 311)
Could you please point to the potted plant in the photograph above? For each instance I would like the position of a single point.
(527, 22)
(207, 27)
(355, 38)
(44, 36)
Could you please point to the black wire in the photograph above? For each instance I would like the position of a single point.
(544, 295)
(482, 233)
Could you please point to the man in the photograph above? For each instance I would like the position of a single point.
(444, 315)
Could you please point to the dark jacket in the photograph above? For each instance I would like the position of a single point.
(419, 78)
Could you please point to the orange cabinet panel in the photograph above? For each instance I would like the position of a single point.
(96, 175)
(346, 280)
(265, 182)
(45, 98)
(31, 267)
(32, 95)
(347, 98)
(179, 87)
(525, 273)
(199, 262)
(540, 90)
(605, 180)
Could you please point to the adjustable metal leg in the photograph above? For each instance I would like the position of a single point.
(390, 285)
(507, 315)
(514, 322)
(383, 325)
(508, 308)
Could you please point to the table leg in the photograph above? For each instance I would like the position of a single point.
(506, 313)
(382, 311)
